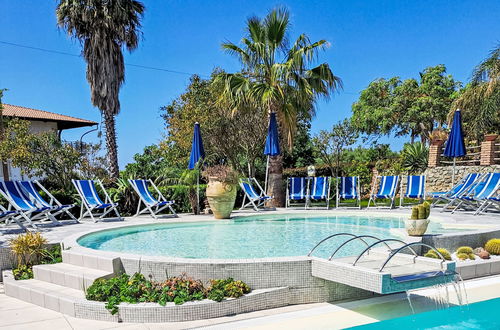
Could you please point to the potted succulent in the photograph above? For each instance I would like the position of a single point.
(221, 190)
(418, 222)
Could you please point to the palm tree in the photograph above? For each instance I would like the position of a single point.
(480, 99)
(104, 27)
(276, 77)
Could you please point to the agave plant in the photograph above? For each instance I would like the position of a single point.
(415, 157)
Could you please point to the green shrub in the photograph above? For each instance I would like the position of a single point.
(465, 249)
(493, 246)
(23, 272)
(179, 289)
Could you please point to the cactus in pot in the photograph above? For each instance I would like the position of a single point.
(417, 224)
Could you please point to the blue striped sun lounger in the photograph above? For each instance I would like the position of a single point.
(386, 190)
(57, 208)
(476, 198)
(7, 217)
(460, 188)
(415, 188)
(256, 199)
(320, 190)
(92, 204)
(348, 188)
(151, 204)
(296, 190)
(20, 201)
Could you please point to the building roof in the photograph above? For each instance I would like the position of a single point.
(63, 121)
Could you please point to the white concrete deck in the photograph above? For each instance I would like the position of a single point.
(16, 314)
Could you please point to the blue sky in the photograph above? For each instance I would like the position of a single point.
(369, 39)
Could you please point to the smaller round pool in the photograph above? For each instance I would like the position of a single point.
(260, 236)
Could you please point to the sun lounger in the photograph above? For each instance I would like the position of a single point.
(386, 190)
(7, 217)
(319, 190)
(348, 188)
(415, 188)
(462, 186)
(476, 198)
(151, 204)
(92, 205)
(296, 191)
(20, 201)
(254, 193)
(56, 207)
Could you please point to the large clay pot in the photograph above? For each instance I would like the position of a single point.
(416, 227)
(490, 137)
(221, 197)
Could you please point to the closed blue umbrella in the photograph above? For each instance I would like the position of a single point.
(197, 150)
(272, 147)
(197, 154)
(455, 145)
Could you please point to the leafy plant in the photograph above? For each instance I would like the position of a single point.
(179, 289)
(23, 272)
(222, 173)
(493, 246)
(415, 157)
(28, 248)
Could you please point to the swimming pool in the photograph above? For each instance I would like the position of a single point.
(481, 315)
(245, 237)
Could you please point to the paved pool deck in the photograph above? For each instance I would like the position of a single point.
(18, 315)
(457, 221)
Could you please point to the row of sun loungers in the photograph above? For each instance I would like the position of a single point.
(476, 192)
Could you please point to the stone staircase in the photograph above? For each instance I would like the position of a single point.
(60, 287)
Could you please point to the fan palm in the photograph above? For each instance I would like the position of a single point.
(104, 27)
(480, 99)
(277, 77)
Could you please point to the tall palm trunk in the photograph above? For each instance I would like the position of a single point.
(111, 146)
(275, 181)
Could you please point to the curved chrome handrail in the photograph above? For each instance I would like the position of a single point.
(327, 238)
(355, 238)
(408, 246)
(382, 241)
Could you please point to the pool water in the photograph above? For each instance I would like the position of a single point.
(481, 315)
(245, 237)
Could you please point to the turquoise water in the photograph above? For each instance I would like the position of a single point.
(481, 315)
(245, 237)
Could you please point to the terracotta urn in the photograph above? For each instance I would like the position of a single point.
(490, 137)
(416, 227)
(221, 197)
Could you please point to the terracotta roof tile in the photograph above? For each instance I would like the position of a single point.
(10, 110)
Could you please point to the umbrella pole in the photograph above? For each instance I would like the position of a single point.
(198, 193)
(453, 174)
(267, 171)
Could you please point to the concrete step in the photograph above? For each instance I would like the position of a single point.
(91, 260)
(52, 296)
(68, 275)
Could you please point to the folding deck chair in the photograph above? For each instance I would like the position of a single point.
(348, 188)
(415, 188)
(477, 196)
(151, 204)
(461, 187)
(256, 199)
(320, 190)
(296, 190)
(57, 208)
(92, 203)
(21, 202)
(386, 190)
(489, 202)
(7, 217)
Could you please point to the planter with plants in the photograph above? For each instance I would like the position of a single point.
(221, 189)
(417, 224)
(32, 249)
(177, 290)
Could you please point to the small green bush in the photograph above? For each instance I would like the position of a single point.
(465, 249)
(493, 246)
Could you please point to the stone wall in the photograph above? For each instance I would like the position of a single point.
(439, 178)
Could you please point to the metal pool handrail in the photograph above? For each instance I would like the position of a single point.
(408, 246)
(353, 239)
(383, 241)
(334, 235)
